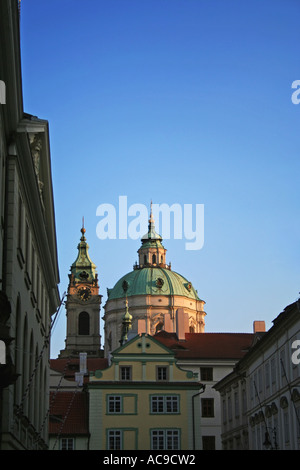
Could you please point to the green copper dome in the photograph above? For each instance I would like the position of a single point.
(152, 276)
(152, 281)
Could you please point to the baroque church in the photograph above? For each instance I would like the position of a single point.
(148, 299)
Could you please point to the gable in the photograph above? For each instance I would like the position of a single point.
(145, 345)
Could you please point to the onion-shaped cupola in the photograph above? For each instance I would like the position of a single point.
(83, 269)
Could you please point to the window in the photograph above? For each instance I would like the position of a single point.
(286, 427)
(162, 373)
(20, 224)
(206, 373)
(244, 401)
(153, 259)
(165, 439)
(66, 443)
(236, 405)
(273, 371)
(207, 407)
(224, 412)
(125, 373)
(260, 382)
(267, 376)
(282, 363)
(298, 421)
(114, 441)
(84, 323)
(229, 408)
(165, 404)
(114, 404)
(208, 443)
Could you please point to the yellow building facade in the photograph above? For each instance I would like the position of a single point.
(143, 400)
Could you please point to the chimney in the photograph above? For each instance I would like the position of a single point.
(83, 363)
(182, 323)
(168, 324)
(259, 327)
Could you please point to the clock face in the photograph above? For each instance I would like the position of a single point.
(84, 293)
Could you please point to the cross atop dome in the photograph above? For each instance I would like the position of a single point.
(151, 234)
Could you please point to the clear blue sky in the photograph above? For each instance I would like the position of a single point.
(178, 101)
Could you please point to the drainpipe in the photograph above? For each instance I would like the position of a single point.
(193, 411)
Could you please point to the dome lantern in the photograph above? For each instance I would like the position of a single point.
(152, 252)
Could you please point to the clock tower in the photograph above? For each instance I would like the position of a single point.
(83, 306)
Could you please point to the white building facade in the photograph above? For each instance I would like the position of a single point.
(261, 397)
(28, 254)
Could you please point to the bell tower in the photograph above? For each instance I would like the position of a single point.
(83, 306)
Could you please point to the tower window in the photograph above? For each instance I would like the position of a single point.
(153, 259)
(84, 323)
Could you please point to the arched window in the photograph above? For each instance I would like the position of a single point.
(153, 259)
(84, 323)
(145, 259)
(159, 327)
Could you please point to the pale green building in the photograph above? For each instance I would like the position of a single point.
(143, 400)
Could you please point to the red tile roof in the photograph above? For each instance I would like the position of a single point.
(207, 345)
(71, 407)
(69, 367)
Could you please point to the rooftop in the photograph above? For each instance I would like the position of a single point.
(68, 413)
(207, 345)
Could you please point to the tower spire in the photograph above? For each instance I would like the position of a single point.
(127, 324)
(151, 220)
(83, 305)
(152, 235)
(83, 268)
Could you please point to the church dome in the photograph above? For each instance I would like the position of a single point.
(152, 281)
(156, 297)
